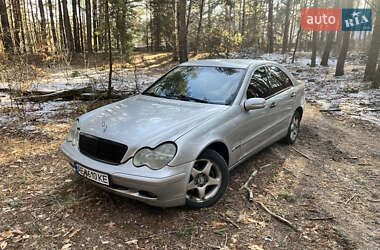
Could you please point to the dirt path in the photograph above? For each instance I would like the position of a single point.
(333, 197)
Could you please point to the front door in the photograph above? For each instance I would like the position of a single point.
(256, 123)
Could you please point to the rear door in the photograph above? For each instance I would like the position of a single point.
(281, 100)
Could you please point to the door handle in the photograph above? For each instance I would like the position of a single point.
(273, 104)
(293, 94)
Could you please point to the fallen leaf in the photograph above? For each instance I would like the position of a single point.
(67, 246)
(74, 233)
(230, 213)
(130, 242)
(218, 225)
(7, 234)
(3, 245)
(105, 242)
(256, 247)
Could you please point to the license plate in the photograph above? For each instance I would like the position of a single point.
(93, 175)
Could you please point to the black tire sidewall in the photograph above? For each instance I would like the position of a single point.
(217, 159)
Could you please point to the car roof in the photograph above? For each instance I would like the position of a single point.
(229, 63)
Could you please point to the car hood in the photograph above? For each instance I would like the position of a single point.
(145, 121)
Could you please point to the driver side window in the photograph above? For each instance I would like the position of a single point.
(259, 86)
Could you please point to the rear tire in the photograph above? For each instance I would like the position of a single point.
(293, 129)
(208, 180)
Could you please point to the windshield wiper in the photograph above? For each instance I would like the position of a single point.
(153, 94)
(188, 98)
(177, 97)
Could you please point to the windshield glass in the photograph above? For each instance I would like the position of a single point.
(197, 83)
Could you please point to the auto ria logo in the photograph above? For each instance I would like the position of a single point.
(336, 19)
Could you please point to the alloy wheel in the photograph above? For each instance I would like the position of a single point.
(205, 181)
(294, 127)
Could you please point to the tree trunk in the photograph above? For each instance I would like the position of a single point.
(69, 35)
(22, 25)
(209, 14)
(75, 26)
(101, 20)
(338, 43)
(43, 23)
(286, 28)
(243, 20)
(109, 50)
(61, 26)
(88, 24)
(314, 43)
(80, 27)
(182, 34)
(156, 5)
(36, 40)
(270, 27)
(28, 37)
(17, 24)
(52, 24)
(6, 35)
(296, 45)
(94, 20)
(188, 15)
(339, 71)
(374, 49)
(199, 26)
(175, 29)
(314, 49)
(326, 52)
(343, 54)
(376, 80)
(329, 42)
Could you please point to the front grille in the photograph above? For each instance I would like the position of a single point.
(101, 149)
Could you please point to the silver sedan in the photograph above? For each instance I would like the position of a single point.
(175, 143)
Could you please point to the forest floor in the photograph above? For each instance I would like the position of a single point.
(329, 191)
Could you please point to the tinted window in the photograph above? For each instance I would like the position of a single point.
(278, 80)
(207, 84)
(259, 86)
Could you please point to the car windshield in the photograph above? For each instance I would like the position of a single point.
(218, 85)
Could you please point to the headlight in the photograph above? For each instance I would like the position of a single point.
(155, 158)
(73, 135)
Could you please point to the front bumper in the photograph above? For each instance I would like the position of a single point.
(163, 188)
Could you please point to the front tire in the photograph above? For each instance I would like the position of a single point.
(208, 180)
(293, 129)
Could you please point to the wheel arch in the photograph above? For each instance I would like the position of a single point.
(219, 147)
(300, 110)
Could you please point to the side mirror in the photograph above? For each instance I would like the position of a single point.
(254, 103)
